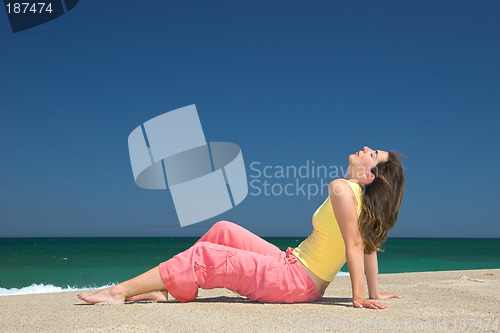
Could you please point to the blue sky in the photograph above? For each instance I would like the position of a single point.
(289, 82)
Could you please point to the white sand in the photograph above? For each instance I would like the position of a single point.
(456, 301)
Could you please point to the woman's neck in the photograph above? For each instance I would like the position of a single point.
(350, 175)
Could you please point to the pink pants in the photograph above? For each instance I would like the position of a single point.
(229, 256)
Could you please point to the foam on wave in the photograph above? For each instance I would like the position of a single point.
(43, 288)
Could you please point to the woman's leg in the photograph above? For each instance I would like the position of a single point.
(277, 279)
(222, 233)
(142, 284)
(230, 234)
(159, 296)
(207, 265)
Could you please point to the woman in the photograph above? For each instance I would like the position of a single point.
(349, 226)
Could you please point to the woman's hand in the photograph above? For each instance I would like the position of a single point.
(367, 303)
(388, 295)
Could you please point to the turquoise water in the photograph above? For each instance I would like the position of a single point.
(78, 263)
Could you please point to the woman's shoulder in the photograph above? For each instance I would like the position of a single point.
(345, 189)
(340, 187)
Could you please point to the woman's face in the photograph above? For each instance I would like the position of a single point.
(363, 161)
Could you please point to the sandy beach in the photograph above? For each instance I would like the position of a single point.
(457, 301)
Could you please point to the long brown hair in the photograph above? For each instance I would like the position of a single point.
(381, 201)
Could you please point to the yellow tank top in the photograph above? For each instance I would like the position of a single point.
(323, 252)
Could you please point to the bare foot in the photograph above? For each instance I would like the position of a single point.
(159, 296)
(106, 295)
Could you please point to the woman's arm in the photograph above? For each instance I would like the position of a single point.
(371, 271)
(343, 203)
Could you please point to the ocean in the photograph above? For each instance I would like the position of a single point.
(37, 265)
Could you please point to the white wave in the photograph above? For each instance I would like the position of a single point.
(42, 289)
(343, 274)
